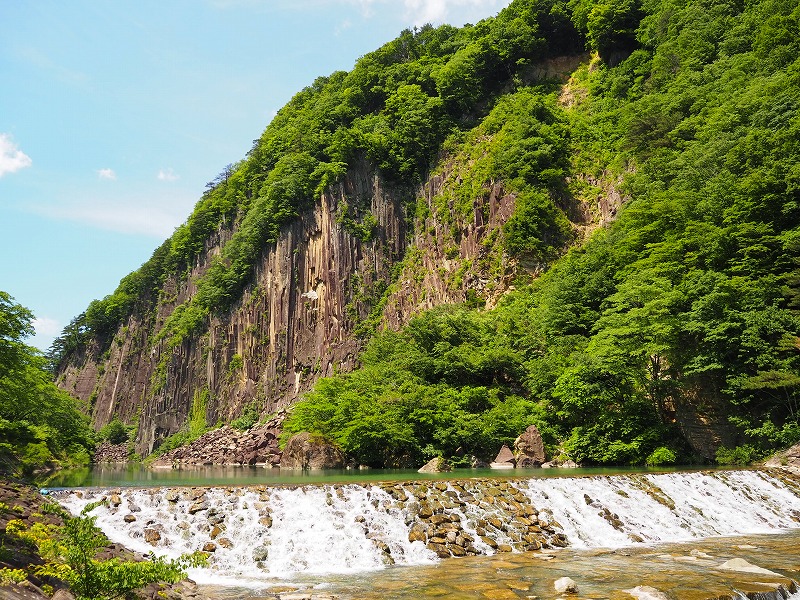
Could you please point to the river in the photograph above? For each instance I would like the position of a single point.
(625, 535)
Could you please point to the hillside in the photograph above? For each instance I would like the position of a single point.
(609, 194)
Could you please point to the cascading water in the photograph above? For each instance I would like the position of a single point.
(620, 510)
(258, 534)
(254, 534)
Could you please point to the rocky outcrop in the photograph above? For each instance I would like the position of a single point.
(529, 448)
(296, 320)
(788, 460)
(504, 459)
(228, 446)
(307, 451)
(454, 259)
(293, 324)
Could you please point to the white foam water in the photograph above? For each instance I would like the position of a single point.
(271, 533)
(619, 510)
(312, 530)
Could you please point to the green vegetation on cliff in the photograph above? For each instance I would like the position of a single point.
(682, 311)
(394, 109)
(676, 321)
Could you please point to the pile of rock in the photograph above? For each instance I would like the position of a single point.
(106, 452)
(228, 446)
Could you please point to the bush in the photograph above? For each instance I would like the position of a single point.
(661, 456)
(740, 455)
(249, 417)
(115, 432)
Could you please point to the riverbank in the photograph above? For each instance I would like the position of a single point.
(26, 509)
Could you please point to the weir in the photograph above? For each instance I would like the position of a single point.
(265, 532)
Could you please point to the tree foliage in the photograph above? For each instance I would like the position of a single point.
(40, 425)
(686, 304)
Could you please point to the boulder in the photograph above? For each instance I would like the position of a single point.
(504, 459)
(477, 463)
(529, 448)
(436, 465)
(643, 592)
(742, 566)
(565, 585)
(307, 451)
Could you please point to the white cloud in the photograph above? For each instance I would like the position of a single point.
(343, 26)
(439, 11)
(45, 326)
(106, 174)
(12, 159)
(167, 175)
(147, 211)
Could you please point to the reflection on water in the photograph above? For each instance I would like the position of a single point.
(679, 571)
(137, 475)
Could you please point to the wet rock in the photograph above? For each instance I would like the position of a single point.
(225, 542)
(741, 565)
(565, 585)
(209, 547)
(152, 536)
(260, 553)
(418, 533)
(172, 496)
(198, 506)
(644, 592)
(265, 521)
(129, 518)
(215, 532)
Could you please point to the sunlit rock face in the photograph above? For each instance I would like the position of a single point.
(297, 320)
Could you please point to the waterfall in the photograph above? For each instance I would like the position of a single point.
(620, 510)
(259, 533)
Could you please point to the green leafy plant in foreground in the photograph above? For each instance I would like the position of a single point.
(70, 553)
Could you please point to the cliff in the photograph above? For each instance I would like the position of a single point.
(654, 318)
(297, 320)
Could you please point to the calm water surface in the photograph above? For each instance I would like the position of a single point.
(135, 475)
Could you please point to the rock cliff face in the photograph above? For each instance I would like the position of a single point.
(295, 322)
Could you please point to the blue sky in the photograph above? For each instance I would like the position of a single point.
(114, 115)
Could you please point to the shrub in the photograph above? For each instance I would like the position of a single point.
(115, 432)
(740, 455)
(661, 456)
